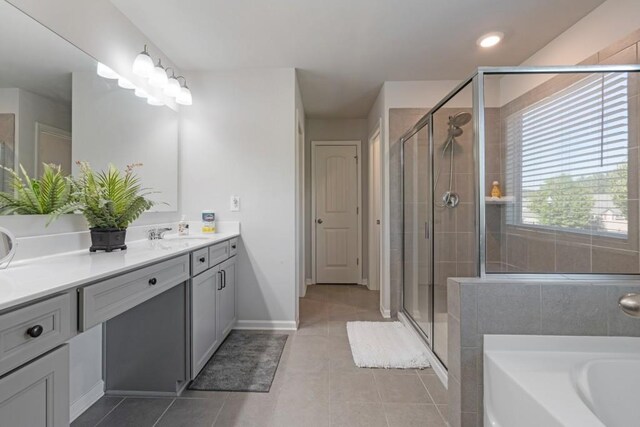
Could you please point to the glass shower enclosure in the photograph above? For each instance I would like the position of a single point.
(561, 147)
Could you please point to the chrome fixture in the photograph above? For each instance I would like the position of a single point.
(157, 233)
(450, 199)
(630, 304)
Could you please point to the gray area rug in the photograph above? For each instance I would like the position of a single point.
(246, 361)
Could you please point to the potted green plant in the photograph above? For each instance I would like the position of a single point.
(110, 200)
(52, 193)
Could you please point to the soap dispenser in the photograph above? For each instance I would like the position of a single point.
(183, 227)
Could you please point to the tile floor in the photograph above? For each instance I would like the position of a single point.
(316, 384)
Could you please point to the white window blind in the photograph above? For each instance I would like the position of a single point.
(567, 158)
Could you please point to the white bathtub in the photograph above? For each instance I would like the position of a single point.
(549, 381)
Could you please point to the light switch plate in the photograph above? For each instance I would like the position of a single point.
(235, 203)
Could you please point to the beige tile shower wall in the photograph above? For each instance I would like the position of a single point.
(522, 249)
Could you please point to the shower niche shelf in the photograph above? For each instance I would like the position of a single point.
(498, 200)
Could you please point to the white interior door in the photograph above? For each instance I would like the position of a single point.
(53, 146)
(336, 218)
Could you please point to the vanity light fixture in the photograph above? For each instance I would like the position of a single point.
(154, 101)
(172, 87)
(490, 39)
(125, 84)
(143, 64)
(184, 97)
(141, 93)
(158, 76)
(106, 72)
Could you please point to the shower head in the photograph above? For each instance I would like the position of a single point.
(459, 119)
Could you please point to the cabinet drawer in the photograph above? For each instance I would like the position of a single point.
(199, 261)
(107, 299)
(218, 253)
(32, 330)
(233, 246)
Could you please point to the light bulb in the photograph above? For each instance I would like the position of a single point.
(106, 72)
(143, 64)
(141, 93)
(184, 97)
(154, 101)
(490, 39)
(173, 87)
(125, 84)
(158, 76)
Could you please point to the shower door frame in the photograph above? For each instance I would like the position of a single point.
(476, 79)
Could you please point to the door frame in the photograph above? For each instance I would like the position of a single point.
(45, 128)
(312, 219)
(375, 133)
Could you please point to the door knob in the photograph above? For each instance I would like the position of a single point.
(320, 221)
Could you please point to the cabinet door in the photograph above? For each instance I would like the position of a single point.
(228, 296)
(204, 333)
(37, 395)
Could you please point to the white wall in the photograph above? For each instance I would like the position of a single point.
(35, 108)
(239, 139)
(299, 132)
(336, 130)
(112, 126)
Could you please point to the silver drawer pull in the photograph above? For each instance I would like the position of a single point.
(35, 331)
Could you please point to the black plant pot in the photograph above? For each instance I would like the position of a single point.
(107, 239)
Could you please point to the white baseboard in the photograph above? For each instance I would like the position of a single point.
(386, 313)
(309, 282)
(365, 282)
(269, 325)
(85, 401)
(438, 368)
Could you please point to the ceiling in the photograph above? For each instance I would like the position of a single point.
(345, 49)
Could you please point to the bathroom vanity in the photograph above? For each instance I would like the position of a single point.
(165, 306)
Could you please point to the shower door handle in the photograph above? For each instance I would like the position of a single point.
(426, 230)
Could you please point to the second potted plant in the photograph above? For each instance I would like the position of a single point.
(110, 200)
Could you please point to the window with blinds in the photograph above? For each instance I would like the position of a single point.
(567, 158)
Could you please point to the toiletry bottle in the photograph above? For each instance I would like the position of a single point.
(183, 227)
(495, 190)
(208, 221)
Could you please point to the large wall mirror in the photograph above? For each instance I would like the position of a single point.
(55, 109)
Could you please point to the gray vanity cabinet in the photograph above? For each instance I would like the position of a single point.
(204, 326)
(37, 394)
(226, 309)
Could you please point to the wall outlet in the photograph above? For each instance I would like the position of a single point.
(235, 203)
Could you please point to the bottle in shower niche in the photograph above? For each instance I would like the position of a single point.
(208, 221)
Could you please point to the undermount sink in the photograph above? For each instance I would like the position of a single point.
(190, 237)
(532, 381)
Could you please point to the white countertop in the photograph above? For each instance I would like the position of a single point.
(35, 278)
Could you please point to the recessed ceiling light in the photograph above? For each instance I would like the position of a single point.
(490, 39)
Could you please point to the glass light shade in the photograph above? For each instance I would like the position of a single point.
(158, 77)
(141, 93)
(184, 97)
(172, 88)
(106, 72)
(125, 84)
(143, 65)
(154, 101)
(490, 39)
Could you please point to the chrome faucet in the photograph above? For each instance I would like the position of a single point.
(630, 304)
(157, 233)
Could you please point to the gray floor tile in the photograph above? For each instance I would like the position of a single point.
(360, 387)
(357, 414)
(246, 410)
(136, 412)
(413, 415)
(97, 411)
(307, 414)
(436, 389)
(191, 413)
(402, 389)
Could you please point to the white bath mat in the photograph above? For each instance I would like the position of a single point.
(385, 345)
